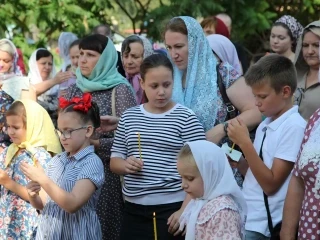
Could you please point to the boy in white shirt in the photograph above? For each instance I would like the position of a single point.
(273, 81)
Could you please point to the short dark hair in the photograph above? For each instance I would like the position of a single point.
(278, 70)
(154, 61)
(75, 43)
(93, 115)
(95, 42)
(125, 48)
(41, 53)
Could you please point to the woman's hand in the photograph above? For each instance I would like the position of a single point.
(33, 189)
(108, 123)
(35, 174)
(133, 165)
(174, 224)
(4, 178)
(61, 77)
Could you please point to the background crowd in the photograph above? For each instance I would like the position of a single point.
(97, 148)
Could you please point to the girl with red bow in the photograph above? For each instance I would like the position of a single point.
(70, 188)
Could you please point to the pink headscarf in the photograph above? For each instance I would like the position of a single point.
(225, 50)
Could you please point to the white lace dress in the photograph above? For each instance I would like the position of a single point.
(219, 219)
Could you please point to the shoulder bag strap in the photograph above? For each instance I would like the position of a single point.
(231, 109)
(265, 197)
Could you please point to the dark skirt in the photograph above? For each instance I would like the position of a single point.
(138, 221)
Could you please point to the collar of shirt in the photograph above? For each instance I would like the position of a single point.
(78, 156)
(273, 125)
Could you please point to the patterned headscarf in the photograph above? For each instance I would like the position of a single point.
(200, 92)
(295, 27)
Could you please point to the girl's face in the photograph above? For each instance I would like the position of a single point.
(45, 65)
(133, 59)
(75, 135)
(6, 61)
(87, 61)
(192, 182)
(16, 129)
(177, 45)
(74, 53)
(310, 49)
(158, 84)
(280, 41)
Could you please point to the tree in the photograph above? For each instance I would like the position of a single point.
(252, 19)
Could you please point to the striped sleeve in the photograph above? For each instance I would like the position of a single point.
(93, 170)
(192, 130)
(119, 147)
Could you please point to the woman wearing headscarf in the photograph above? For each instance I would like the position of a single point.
(213, 25)
(307, 62)
(64, 42)
(196, 80)
(217, 209)
(225, 51)
(97, 73)
(42, 75)
(285, 33)
(134, 49)
(13, 85)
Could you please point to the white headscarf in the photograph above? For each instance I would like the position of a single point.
(218, 180)
(225, 50)
(35, 76)
(64, 42)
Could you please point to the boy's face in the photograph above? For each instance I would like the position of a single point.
(270, 103)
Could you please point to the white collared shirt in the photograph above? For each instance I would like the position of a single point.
(283, 139)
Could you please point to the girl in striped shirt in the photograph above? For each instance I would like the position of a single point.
(70, 188)
(145, 149)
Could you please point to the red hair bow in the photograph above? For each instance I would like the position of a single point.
(81, 104)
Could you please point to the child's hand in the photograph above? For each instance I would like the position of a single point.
(238, 131)
(4, 178)
(133, 165)
(33, 189)
(174, 224)
(31, 172)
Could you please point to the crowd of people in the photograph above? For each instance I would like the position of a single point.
(127, 145)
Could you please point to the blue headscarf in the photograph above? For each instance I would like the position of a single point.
(200, 92)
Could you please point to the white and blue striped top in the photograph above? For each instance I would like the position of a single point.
(162, 136)
(55, 223)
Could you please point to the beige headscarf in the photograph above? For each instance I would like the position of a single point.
(301, 65)
(40, 132)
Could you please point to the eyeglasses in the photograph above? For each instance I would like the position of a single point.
(67, 134)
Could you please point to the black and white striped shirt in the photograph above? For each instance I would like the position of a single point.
(161, 136)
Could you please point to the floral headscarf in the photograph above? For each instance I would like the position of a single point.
(200, 92)
(295, 27)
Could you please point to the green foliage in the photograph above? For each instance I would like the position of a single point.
(38, 23)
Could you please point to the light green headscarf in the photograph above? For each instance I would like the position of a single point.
(104, 75)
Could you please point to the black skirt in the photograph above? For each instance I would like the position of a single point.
(138, 221)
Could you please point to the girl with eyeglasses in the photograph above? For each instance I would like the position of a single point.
(74, 179)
